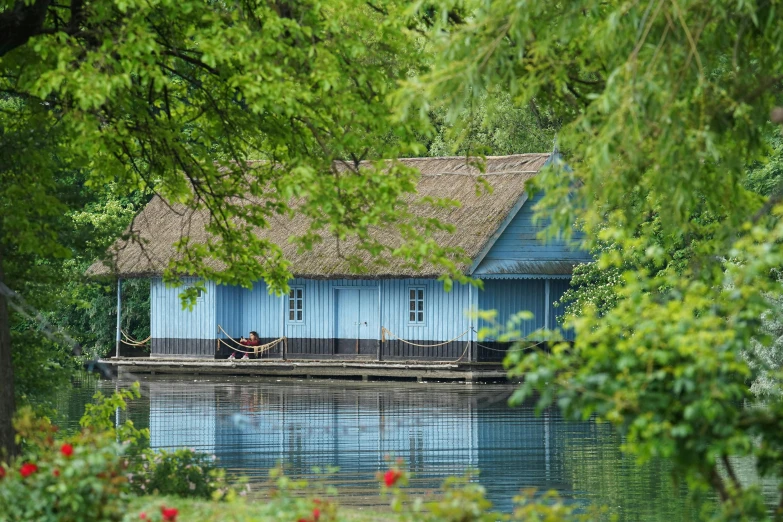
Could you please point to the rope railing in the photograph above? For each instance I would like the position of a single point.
(130, 341)
(385, 332)
(514, 341)
(256, 350)
(510, 349)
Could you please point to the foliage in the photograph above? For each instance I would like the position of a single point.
(674, 379)
(79, 478)
(593, 285)
(460, 500)
(100, 417)
(87, 309)
(491, 125)
(231, 100)
(62, 313)
(45, 367)
(765, 354)
(182, 472)
(209, 105)
(664, 109)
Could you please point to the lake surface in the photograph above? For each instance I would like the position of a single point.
(439, 429)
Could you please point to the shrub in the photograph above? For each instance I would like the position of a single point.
(81, 478)
(182, 472)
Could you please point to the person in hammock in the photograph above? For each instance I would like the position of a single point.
(253, 340)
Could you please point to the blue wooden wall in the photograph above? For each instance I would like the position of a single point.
(445, 312)
(376, 302)
(519, 244)
(239, 310)
(229, 310)
(169, 321)
(509, 296)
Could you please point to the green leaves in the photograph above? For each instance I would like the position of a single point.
(664, 109)
(211, 105)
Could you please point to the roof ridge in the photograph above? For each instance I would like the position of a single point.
(506, 156)
(474, 174)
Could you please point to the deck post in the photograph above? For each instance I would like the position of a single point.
(282, 326)
(471, 354)
(119, 314)
(546, 303)
(380, 317)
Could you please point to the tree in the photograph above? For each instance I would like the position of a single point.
(209, 105)
(492, 125)
(664, 106)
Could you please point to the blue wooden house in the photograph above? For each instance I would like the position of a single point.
(392, 313)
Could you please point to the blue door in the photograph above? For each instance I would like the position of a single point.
(357, 318)
(369, 321)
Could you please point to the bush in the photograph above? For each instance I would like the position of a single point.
(183, 472)
(81, 478)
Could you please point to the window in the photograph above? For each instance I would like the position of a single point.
(416, 305)
(296, 304)
(199, 292)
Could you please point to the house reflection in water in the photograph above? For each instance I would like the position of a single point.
(439, 430)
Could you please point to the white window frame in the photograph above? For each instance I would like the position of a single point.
(298, 308)
(420, 297)
(199, 295)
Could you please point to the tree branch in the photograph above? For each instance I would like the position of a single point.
(21, 23)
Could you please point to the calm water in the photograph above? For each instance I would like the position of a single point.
(439, 429)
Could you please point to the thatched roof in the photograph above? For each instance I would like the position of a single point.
(159, 225)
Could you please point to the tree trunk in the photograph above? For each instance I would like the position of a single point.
(7, 405)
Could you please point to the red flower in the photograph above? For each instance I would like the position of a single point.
(66, 449)
(27, 469)
(56, 473)
(2, 472)
(143, 515)
(169, 514)
(316, 514)
(391, 477)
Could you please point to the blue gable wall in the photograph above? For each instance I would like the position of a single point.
(518, 248)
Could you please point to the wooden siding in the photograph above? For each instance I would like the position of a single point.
(511, 296)
(241, 310)
(445, 313)
(261, 312)
(229, 310)
(162, 346)
(169, 321)
(319, 307)
(519, 244)
(378, 303)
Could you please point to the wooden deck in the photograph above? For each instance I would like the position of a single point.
(308, 368)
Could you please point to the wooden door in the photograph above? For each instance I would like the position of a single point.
(357, 321)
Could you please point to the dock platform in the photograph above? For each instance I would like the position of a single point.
(309, 368)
